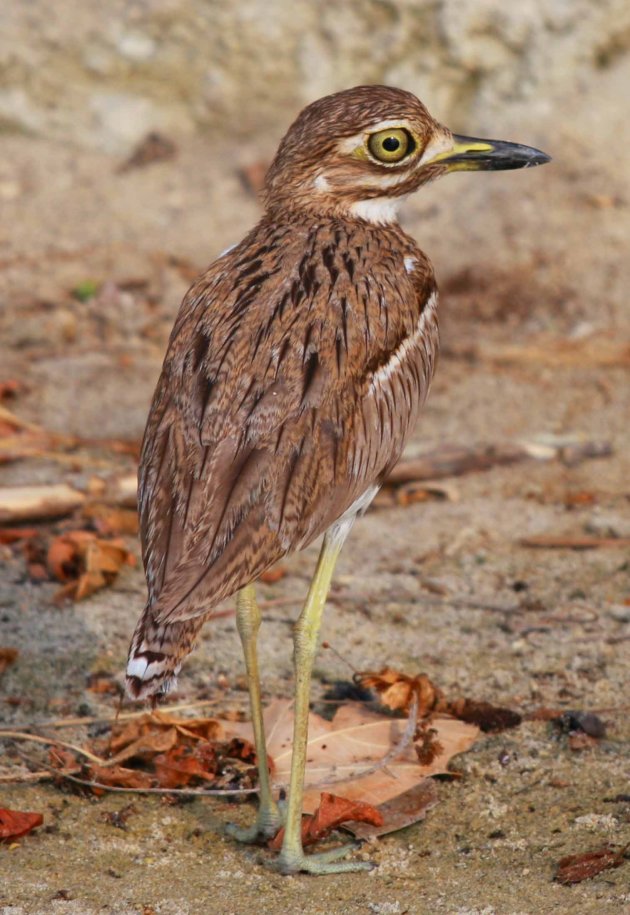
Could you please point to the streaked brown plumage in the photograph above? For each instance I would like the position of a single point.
(296, 367)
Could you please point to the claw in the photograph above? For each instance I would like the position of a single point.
(325, 862)
(266, 825)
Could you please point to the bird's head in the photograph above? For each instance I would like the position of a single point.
(361, 151)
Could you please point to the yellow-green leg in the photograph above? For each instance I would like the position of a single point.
(292, 858)
(268, 819)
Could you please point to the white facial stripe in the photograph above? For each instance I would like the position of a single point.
(408, 343)
(384, 181)
(441, 144)
(410, 263)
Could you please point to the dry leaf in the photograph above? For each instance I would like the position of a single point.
(183, 765)
(14, 823)
(344, 754)
(10, 535)
(11, 388)
(402, 811)
(108, 519)
(575, 868)
(119, 777)
(85, 562)
(489, 718)
(166, 751)
(102, 682)
(274, 574)
(396, 690)
(7, 657)
(426, 744)
(332, 812)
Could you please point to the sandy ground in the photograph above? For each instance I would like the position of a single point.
(511, 269)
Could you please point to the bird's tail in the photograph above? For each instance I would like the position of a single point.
(156, 654)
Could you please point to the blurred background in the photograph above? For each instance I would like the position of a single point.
(215, 85)
(134, 137)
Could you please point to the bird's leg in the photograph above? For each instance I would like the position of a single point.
(268, 819)
(292, 858)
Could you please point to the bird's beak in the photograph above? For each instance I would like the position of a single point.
(470, 154)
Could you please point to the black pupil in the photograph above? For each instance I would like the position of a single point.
(391, 144)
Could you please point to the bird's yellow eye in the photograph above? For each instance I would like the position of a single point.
(391, 145)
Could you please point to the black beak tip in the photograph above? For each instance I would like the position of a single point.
(514, 155)
(538, 158)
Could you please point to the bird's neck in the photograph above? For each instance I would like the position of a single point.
(376, 211)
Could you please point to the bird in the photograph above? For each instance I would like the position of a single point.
(294, 374)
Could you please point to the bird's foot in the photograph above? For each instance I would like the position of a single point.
(325, 862)
(268, 821)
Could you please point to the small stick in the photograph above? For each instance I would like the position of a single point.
(47, 741)
(124, 716)
(573, 542)
(24, 777)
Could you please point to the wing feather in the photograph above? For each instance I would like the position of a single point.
(267, 422)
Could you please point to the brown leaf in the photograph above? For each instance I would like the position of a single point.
(349, 748)
(182, 765)
(544, 713)
(86, 585)
(7, 658)
(396, 690)
(108, 519)
(575, 868)
(274, 574)
(427, 745)
(333, 811)
(159, 732)
(119, 777)
(11, 388)
(10, 535)
(490, 718)
(85, 562)
(147, 745)
(63, 558)
(102, 682)
(402, 811)
(62, 758)
(14, 823)
(195, 728)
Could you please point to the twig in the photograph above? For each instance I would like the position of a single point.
(24, 777)
(47, 741)
(457, 460)
(124, 716)
(190, 792)
(573, 542)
